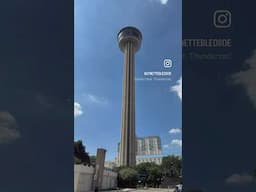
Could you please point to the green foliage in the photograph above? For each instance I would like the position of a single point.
(146, 173)
(80, 156)
(127, 177)
(171, 166)
(154, 175)
(77, 161)
(155, 170)
(93, 160)
(143, 168)
(151, 170)
(150, 174)
(117, 169)
(128, 174)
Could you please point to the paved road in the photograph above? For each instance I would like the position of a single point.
(144, 190)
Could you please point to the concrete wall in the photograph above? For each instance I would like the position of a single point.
(109, 179)
(83, 178)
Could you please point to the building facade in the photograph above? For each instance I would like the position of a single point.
(147, 150)
(149, 159)
(148, 145)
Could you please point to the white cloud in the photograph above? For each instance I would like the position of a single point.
(247, 78)
(177, 88)
(177, 142)
(77, 109)
(97, 100)
(166, 146)
(175, 130)
(240, 179)
(163, 2)
(8, 128)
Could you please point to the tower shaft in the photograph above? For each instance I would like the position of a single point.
(128, 138)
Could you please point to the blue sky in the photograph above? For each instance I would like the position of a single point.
(98, 72)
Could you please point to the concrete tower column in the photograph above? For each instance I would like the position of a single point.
(99, 169)
(129, 39)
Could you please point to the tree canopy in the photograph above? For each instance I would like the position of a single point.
(93, 160)
(80, 155)
(127, 177)
(171, 166)
(151, 174)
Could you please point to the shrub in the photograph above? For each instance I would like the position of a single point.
(127, 177)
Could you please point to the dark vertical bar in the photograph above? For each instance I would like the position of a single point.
(218, 108)
(36, 100)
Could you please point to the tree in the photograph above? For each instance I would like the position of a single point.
(171, 166)
(143, 168)
(80, 155)
(127, 177)
(149, 173)
(155, 175)
(93, 160)
(77, 161)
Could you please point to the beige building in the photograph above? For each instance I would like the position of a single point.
(149, 159)
(149, 145)
(148, 149)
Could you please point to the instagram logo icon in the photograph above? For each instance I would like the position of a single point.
(167, 63)
(222, 19)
